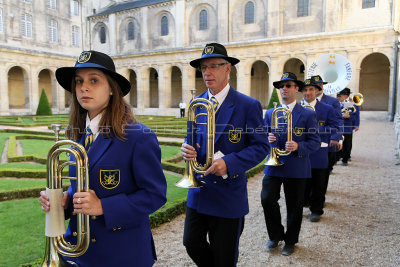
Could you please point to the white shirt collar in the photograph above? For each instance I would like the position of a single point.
(94, 124)
(221, 95)
(313, 103)
(320, 97)
(290, 105)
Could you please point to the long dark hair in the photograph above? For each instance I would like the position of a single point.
(115, 117)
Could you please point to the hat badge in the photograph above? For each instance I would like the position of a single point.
(285, 75)
(317, 78)
(307, 81)
(84, 57)
(208, 49)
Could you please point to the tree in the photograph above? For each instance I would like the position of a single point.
(44, 106)
(274, 98)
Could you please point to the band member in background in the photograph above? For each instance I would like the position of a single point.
(182, 107)
(336, 141)
(351, 120)
(126, 178)
(294, 172)
(327, 124)
(215, 212)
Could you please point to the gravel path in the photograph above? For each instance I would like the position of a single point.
(361, 224)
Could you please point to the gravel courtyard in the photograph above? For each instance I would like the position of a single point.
(361, 224)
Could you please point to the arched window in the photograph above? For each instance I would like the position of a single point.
(302, 8)
(103, 35)
(203, 25)
(131, 31)
(164, 26)
(249, 13)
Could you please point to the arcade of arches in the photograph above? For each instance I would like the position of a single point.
(158, 89)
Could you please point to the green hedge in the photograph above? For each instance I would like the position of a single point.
(20, 194)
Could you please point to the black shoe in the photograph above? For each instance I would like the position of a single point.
(272, 244)
(344, 163)
(287, 250)
(315, 217)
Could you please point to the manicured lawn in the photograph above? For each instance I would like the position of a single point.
(22, 225)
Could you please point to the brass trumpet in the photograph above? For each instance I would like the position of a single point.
(357, 99)
(189, 179)
(276, 152)
(56, 246)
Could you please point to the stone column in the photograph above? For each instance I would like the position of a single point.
(164, 87)
(4, 101)
(188, 82)
(32, 81)
(243, 77)
(143, 89)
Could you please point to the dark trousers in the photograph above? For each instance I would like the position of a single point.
(222, 246)
(331, 162)
(315, 190)
(347, 145)
(294, 197)
(182, 112)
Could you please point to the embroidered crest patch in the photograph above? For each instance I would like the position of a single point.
(109, 179)
(84, 57)
(298, 131)
(321, 123)
(235, 135)
(208, 49)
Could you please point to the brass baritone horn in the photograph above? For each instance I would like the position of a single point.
(189, 179)
(57, 245)
(276, 152)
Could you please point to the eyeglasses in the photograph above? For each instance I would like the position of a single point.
(286, 85)
(212, 67)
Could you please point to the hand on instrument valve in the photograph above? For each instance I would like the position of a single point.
(291, 146)
(218, 168)
(271, 137)
(45, 201)
(188, 152)
(87, 203)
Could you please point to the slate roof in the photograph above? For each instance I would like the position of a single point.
(129, 5)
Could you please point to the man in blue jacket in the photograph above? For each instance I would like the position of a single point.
(327, 125)
(215, 212)
(296, 168)
(336, 142)
(350, 122)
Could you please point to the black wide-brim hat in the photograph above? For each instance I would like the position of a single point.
(288, 76)
(317, 79)
(310, 82)
(345, 91)
(214, 50)
(94, 60)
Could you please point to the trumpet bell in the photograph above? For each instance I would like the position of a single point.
(189, 180)
(186, 183)
(273, 160)
(357, 99)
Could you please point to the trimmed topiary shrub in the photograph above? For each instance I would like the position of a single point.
(274, 98)
(44, 105)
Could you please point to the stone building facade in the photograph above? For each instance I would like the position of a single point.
(152, 42)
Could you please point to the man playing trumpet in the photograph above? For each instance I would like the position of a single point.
(295, 170)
